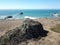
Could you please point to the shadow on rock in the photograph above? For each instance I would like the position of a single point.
(34, 29)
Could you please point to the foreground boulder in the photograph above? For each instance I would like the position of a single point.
(29, 29)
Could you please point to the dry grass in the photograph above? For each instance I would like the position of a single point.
(6, 25)
(56, 28)
(51, 39)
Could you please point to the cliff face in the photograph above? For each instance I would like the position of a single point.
(30, 29)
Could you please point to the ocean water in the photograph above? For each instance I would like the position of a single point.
(28, 13)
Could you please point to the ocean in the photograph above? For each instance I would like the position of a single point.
(28, 13)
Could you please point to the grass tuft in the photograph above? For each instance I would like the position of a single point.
(56, 28)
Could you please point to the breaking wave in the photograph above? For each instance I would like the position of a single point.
(56, 15)
(30, 17)
(2, 17)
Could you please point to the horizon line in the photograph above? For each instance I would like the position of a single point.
(29, 9)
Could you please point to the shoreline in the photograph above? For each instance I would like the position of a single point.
(32, 18)
(11, 23)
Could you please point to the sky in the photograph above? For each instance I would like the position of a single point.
(29, 4)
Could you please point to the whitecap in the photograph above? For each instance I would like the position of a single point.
(30, 17)
(2, 17)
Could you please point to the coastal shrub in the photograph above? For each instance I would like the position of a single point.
(56, 28)
(4, 41)
(2, 44)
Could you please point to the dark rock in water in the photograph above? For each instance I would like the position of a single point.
(21, 13)
(8, 17)
(29, 29)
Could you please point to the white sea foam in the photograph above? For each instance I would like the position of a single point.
(14, 17)
(30, 17)
(2, 17)
(56, 15)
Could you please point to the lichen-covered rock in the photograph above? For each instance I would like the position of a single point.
(29, 29)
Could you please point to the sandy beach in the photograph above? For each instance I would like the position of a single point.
(6, 25)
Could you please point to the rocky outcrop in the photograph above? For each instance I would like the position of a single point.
(29, 29)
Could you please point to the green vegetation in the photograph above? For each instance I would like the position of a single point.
(2, 44)
(56, 28)
(4, 41)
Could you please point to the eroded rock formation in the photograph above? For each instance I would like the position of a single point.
(29, 29)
